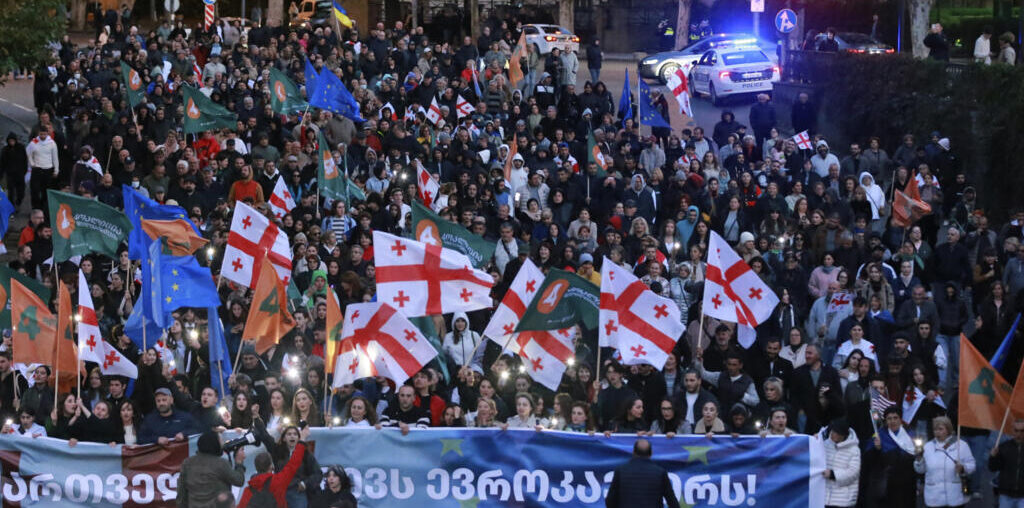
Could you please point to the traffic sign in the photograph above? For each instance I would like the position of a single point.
(172, 5)
(785, 21)
(756, 5)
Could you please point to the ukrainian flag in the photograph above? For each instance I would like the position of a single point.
(342, 15)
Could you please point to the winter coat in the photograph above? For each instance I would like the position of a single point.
(941, 482)
(843, 459)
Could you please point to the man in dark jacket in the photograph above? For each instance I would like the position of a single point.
(206, 478)
(640, 482)
(937, 44)
(762, 118)
(802, 115)
(166, 423)
(13, 164)
(816, 390)
(1008, 459)
(594, 57)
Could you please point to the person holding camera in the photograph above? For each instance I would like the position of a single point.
(206, 479)
(268, 489)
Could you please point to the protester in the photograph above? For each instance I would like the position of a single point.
(640, 482)
(206, 478)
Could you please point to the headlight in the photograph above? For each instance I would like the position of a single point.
(650, 61)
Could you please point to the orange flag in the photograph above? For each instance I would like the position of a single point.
(269, 318)
(1017, 399)
(515, 72)
(513, 149)
(984, 394)
(65, 353)
(182, 240)
(34, 331)
(335, 320)
(907, 206)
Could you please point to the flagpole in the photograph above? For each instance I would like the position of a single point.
(220, 367)
(1006, 416)
(144, 347)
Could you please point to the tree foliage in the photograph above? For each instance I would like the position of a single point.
(27, 31)
(979, 108)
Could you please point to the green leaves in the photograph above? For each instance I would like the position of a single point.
(26, 30)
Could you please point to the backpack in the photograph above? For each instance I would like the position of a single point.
(262, 498)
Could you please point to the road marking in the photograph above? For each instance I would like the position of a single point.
(19, 106)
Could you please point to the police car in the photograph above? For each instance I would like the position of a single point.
(723, 72)
(664, 64)
(545, 38)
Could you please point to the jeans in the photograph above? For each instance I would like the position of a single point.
(1010, 502)
(951, 344)
(296, 499)
(594, 75)
(980, 447)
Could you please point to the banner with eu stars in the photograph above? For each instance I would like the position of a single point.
(464, 468)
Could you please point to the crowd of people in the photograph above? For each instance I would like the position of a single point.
(868, 309)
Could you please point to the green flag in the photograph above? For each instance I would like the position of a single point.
(430, 228)
(284, 95)
(595, 156)
(134, 88)
(563, 300)
(334, 184)
(202, 114)
(6, 274)
(82, 225)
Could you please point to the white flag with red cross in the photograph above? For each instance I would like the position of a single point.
(377, 340)
(733, 292)
(420, 279)
(678, 83)
(254, 240)
(463, 107)
(643, 326)
(803, 140)
(434, 113)
(91, 346)
(281, 201)
(428, 187)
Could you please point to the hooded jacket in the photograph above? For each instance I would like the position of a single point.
(646, 203)
(465, 349)
(13, 158)
(876, 195)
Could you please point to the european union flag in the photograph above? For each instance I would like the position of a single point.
(331, 94)
(625, 104)
(311, 77)
(171, 282)
(649, 114)
(6, 209)
(141, 328)
(138, 207)
(220, 357)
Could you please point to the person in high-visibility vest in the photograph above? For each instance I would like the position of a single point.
(668, 35)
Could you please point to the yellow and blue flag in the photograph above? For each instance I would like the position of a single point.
(342, 15)
(649, 114)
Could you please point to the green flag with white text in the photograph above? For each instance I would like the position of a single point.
(83, 225)
(432, 229)
(284, 95)
(202, 114)
(334, 184)
(563, 300)
(134, 88)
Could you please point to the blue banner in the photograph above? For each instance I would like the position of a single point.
(484, 468)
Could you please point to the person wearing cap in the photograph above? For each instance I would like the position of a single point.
(206, 478)
(842, 464)
(166, 424)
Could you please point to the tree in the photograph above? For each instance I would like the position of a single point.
(27, 31)
(275, 12)
(920, 10)
(78, 14)
(683, 24)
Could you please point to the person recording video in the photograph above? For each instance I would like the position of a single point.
(206, 479)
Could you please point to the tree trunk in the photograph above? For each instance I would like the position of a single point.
(473, 10)
(683, 24)
(920, 10)
(275, 13)
(78, 14)
(565, 14)
(415, 7)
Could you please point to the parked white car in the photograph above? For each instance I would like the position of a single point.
(723, 72)
(548, 37)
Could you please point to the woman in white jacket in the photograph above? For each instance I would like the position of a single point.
(842, 465)
(942, 461)
(460, 343)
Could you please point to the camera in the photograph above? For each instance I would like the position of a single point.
(248, 438)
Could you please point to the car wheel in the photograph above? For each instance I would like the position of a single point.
(715, 99)
(692, 88)
(667, 71)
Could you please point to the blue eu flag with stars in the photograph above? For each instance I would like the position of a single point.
(625, 102)
(220, 358)
(331, 94)
(649, 114)
(138, 207)
(311, 76)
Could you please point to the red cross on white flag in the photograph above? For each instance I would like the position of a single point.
(91, 346)
(253, 240)
(803, 140)
(733, 292)
(420, 279)
(643, 326)
(434, 113)
(281, 201)
(428, 187)
(463, 107)
(678, 83)
(377, 340)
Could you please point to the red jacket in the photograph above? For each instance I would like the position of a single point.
(278, 481)
(436, 408)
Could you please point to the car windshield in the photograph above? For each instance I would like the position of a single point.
(744, 57)
(855, 38)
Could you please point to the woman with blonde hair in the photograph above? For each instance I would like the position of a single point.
(946, 462)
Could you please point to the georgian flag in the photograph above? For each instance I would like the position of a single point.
(733, 292)
(93, 164)
(377, 340)
(434, 113)
(380, 112)
(281, 201)
(463, 107)
(428, 187)
(912, 400)
(803, 140)
(91, 346)
(420, 279)
(678, 84)
(254, 240)
(643, 326)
